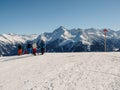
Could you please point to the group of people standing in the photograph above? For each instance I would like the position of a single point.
(32, 48)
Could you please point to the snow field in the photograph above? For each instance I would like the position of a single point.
(61, 71)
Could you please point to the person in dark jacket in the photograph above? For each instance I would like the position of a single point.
(25, 50)
(42, 46)
(29, 48)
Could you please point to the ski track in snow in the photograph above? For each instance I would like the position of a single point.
(61, 71)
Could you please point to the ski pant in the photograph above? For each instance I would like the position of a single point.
(34, 51)
(42, 51)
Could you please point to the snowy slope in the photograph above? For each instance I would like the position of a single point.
(61, 71)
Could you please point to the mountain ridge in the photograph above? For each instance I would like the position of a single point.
(64, 40)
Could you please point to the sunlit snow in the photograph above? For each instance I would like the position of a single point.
(61, 71)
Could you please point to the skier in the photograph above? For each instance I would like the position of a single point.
(25, 50)
(42, 46)
(38, 48)
(29, 48)
(19, 49)
(34, 46)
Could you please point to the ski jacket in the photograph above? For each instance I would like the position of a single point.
(42, 44)
(34, 45)
(29, 45)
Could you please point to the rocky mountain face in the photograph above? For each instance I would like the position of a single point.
(64, 40)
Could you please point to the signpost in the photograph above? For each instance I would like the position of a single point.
(105, 31)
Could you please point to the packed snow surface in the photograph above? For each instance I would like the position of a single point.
(61, 71)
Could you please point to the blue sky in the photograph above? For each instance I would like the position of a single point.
(38, 16)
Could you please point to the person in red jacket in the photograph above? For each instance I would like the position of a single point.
(19, 50)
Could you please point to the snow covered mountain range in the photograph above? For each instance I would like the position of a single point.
(64, 40)
(9, 42)
(80, 40)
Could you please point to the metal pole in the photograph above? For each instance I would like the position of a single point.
(105, 43)
(105, 31)
(0, 51)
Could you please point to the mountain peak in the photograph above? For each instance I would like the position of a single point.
(60, 30)
(61, 27)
